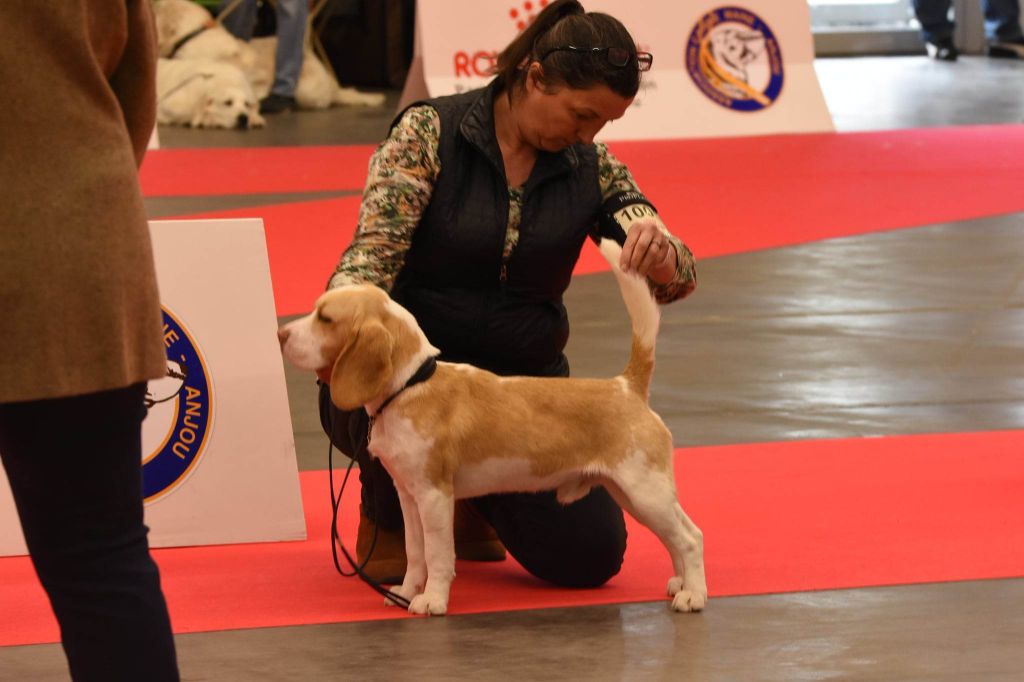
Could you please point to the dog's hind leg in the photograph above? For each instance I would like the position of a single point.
(416, 565)
(650, 497)
(437, 514)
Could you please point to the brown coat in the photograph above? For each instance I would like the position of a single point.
(79, 310)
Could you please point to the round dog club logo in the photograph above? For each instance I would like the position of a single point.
(180, 413)
(734, 59)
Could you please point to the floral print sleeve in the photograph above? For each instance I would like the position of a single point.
(399, 184)
(616, 178)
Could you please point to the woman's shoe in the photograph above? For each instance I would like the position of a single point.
(1007, 49)
(475, 540)
(387, 560)
(942, 50)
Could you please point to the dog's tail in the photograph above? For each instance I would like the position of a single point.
(644, 315)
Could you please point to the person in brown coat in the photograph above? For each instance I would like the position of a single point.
(80, 321)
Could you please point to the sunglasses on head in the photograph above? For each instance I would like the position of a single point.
(616, 56)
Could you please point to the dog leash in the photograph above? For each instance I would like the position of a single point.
(189, 36)
(336, 543)
(182, 84)
(424, 372)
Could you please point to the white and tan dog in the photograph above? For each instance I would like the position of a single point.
(205, 94)
(466, 432)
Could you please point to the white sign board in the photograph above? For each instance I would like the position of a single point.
(218, 448)
(721, 69)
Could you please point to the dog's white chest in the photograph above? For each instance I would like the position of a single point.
(396, 442)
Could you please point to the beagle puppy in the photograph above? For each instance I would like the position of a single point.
(445, 431)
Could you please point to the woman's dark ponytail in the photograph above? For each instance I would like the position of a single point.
(562, 23)
(521, 49)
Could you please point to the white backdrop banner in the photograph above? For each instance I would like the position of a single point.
(720, 70)
(218, 448)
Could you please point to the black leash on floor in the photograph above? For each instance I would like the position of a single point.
(336, 543)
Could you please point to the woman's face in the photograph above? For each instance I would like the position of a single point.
(552, 118)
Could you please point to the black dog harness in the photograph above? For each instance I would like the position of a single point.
(187, 37)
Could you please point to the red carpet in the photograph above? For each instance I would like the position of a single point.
(253, 170)
(777, 517)
(721, 196)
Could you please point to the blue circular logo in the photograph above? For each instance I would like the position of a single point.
(734, 59)
(180, 413)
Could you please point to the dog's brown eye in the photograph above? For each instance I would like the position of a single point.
(320, 317)
(228, 102)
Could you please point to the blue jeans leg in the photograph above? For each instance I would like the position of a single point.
(1002, 19)
(291, 36)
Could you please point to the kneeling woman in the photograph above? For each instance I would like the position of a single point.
(473, 217)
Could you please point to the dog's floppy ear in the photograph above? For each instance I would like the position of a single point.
(363, 369)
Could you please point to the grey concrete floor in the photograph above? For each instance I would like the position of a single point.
(929, 340)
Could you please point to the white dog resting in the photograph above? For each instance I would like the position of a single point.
(465, 432)
(186, 30)
(205, 94)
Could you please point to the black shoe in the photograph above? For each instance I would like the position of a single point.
(1009, 49)
(942, 50)
(275, 104)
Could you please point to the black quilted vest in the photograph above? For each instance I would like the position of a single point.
(505, 317)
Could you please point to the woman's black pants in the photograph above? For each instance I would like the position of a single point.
(75, 469)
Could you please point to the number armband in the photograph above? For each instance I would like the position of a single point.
(618, 213)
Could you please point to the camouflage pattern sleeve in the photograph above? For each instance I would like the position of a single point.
(615, 178)
(399, 184)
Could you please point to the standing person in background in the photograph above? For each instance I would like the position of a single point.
(1002, 28)
(80, 328)
(474, 214)
(291, 18)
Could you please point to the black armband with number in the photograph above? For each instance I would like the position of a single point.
(619, 212)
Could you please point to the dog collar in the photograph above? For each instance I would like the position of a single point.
(187, 37)
(425, 372)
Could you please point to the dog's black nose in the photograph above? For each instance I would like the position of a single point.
(243, 121)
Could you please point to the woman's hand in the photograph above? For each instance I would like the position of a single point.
(649, 252)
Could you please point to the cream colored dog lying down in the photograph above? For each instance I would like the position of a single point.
(205, 94)
(184, 20)
(466, 432)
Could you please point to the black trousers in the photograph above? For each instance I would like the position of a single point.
(75, 469)
(576, 545)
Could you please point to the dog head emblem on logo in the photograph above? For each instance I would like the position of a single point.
(734, 59)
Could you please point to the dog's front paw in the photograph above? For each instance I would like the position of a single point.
(686, 599)
(402, 591)
(428, 605)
